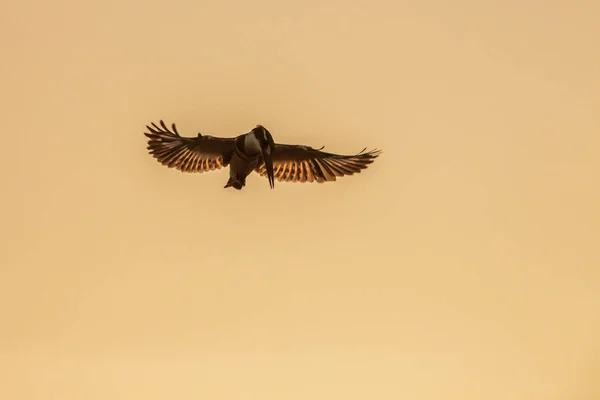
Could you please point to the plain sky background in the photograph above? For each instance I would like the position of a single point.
(463, 264)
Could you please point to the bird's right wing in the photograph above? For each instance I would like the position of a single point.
(196, 154)
(296, 163)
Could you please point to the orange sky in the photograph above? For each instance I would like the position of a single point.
(463, 264)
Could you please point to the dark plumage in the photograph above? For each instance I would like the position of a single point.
(199, 154)
(253, 151)
(295, 163)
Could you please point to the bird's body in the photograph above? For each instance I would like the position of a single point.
(245, 158)
(252, 151)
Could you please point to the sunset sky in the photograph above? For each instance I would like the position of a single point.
(463, 264)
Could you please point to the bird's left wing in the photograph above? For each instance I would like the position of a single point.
(195, 154)
(295, 163)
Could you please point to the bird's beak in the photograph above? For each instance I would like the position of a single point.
(266, 152)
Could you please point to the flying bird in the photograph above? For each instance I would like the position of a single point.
(253, 151)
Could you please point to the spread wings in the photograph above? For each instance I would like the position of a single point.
(199, 154)
(294, 163)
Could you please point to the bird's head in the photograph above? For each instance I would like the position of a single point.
(267, 146)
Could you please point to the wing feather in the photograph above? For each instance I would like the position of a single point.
(295, 163)
(188, 154)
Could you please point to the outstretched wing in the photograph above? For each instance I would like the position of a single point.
(295, 163)
(199, 154)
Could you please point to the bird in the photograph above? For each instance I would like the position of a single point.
(254, 151)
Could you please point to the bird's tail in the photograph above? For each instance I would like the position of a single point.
(233, 183)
